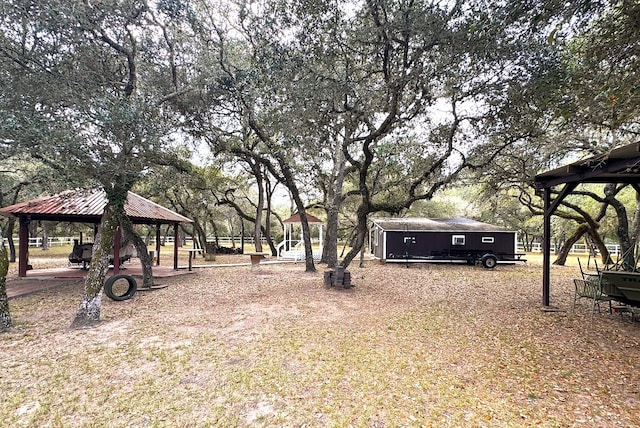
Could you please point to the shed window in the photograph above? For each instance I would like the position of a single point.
(458, 240)
(488, 240)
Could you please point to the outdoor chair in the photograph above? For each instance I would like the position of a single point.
(590, 289)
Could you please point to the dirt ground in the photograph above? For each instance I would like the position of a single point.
(429, 345)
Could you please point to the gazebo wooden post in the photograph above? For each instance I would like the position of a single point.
(158, 243)
(23, 246)
(175, 245)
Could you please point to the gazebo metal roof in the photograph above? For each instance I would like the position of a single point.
(87, 206)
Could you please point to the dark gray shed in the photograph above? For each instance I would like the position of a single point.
(442, 240)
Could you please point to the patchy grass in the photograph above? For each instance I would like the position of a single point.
(431, 345)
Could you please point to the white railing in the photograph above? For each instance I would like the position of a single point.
(52, 241)
(536, 247)
(295, 248)
(224, 241)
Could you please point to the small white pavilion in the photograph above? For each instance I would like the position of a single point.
(292, 247)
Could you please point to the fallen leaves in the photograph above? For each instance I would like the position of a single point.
(432, 345)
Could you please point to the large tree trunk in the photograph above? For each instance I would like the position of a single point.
(334, 202)
(5, 315)
(622, 230)
(88, 312)
(600, 245)
(330, 247)
(201, 236)
(306, 232)
(635, 225)
(361, 235)
(267, 218)
(45, 236)
(130, 234)
(257, 226)
(9, 234)
(568, 244)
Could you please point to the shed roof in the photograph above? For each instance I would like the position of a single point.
(420, 224)
(87, 206)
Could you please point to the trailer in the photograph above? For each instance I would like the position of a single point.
(451, 240)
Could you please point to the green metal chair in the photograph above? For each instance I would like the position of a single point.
(590, 288)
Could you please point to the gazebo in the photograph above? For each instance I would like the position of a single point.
(621, 165)
(87, 206)
(289, 248)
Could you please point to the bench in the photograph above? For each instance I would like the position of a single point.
(82, 253)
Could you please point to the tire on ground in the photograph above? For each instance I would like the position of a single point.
(108, 287)
(489, 261)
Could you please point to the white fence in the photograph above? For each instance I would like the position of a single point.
(614, 249)
(53, 241)
(225, 241)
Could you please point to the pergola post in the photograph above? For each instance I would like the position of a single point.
(549, 208)
(546, 247)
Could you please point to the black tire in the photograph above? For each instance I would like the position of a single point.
(108, 287)
(489, 261)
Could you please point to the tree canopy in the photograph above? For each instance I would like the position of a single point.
(355, 108)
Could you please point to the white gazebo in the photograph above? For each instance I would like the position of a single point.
(292, 248)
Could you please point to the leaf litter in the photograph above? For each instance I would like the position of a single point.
(429, 345)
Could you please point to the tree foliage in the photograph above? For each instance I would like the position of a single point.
(108, 67)
(356, 108)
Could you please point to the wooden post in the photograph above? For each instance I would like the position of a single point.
(549, 208)
(175, 247)
(23, 249)
(546, 247)
(158, 243)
